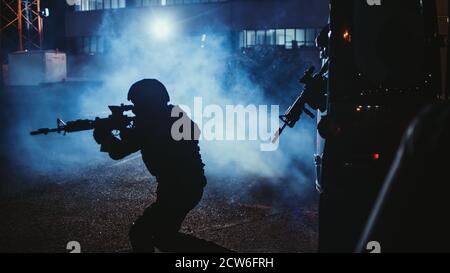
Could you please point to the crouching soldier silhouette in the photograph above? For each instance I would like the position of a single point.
(176, 164)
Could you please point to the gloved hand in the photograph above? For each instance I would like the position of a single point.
(101, 135)
(315, 93)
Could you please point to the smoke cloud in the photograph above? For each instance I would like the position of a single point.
(205, 65)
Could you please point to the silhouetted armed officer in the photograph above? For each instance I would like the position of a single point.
(316, 87)
(176, 164)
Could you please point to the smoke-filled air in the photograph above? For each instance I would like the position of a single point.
(200, 65)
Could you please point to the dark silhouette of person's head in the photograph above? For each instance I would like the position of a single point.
(148, 96)
(322, 41)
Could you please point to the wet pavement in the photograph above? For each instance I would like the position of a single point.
(96, 206)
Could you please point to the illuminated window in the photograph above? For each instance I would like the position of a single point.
(99, 4)
(280, 37)
(86, 5)
(92, 5)
(241, 39)
(260, 37)
(251, 38)
(270, 37)
(289, 38)
(300, 37)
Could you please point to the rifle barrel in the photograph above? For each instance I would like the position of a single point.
(277, 134)
(44, 131)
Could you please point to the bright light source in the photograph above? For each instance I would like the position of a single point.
(347, 36)
(44, 13)
(376, 156)
(161, 29)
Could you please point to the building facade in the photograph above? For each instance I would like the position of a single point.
(288, 24)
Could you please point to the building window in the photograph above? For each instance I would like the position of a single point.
(260, 37)
(290, 38)
(241, 39)
(90, 45)
(280, 37)
(300, 37)
(107, 4)
(287, 38)
(99, 4)
(87, 5)
(251, 38)
(310, 37)
(270, 37)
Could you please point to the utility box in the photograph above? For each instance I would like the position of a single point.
(35, 67)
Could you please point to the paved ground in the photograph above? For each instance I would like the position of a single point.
(40, 211)
(96, 206)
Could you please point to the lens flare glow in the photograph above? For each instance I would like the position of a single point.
(161, 29)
